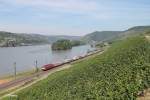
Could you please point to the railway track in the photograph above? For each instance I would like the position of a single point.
(29, 79)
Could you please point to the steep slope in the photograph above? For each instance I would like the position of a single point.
(117, 74)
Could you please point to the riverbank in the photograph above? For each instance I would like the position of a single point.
(43, 75)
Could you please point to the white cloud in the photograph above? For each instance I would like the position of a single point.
(61, 5)
(84, 8)
(62, 16)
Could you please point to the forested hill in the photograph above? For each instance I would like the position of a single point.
(32, 38)
(95, 36)
(101, 35)
(136, 31)
(111, 35)
(118, 74)
(23, 38)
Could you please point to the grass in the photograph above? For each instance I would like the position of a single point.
(118, 74)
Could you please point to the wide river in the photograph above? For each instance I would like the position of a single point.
(26, 56)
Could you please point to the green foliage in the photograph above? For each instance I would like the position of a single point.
(117, 74)
(62, 45)
(65, 44)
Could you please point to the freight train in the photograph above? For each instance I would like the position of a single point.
(66, 61)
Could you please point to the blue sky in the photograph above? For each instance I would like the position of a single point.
(72, 17)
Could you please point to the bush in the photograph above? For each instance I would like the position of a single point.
(62, 45)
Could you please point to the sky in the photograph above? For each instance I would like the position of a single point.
(72, 17)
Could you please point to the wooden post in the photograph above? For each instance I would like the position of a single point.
(36, 67)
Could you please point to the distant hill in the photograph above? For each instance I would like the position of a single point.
(22, 38)
(136, 31)
(101, 35)
(54, 38)
(109, 35)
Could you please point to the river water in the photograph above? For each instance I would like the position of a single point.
(26, 56)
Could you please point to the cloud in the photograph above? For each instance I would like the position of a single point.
(72, 16)
(59, 5)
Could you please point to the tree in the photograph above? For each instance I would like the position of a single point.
(62, 45)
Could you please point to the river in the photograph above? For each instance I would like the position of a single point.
(26, 56)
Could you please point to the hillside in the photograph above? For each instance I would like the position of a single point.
(110, 35)
(135, 31)
(34, 39)
(118, 74)
(22, 38)
(95, 36)
(101, 35)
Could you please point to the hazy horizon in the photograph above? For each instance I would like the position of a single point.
(72, 17)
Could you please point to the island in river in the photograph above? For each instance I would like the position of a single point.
(65, 44)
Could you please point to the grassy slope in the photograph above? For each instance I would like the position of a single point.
(117, 74)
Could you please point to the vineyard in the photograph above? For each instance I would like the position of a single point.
(118, 74)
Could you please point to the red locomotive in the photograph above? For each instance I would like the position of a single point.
(49, 66)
